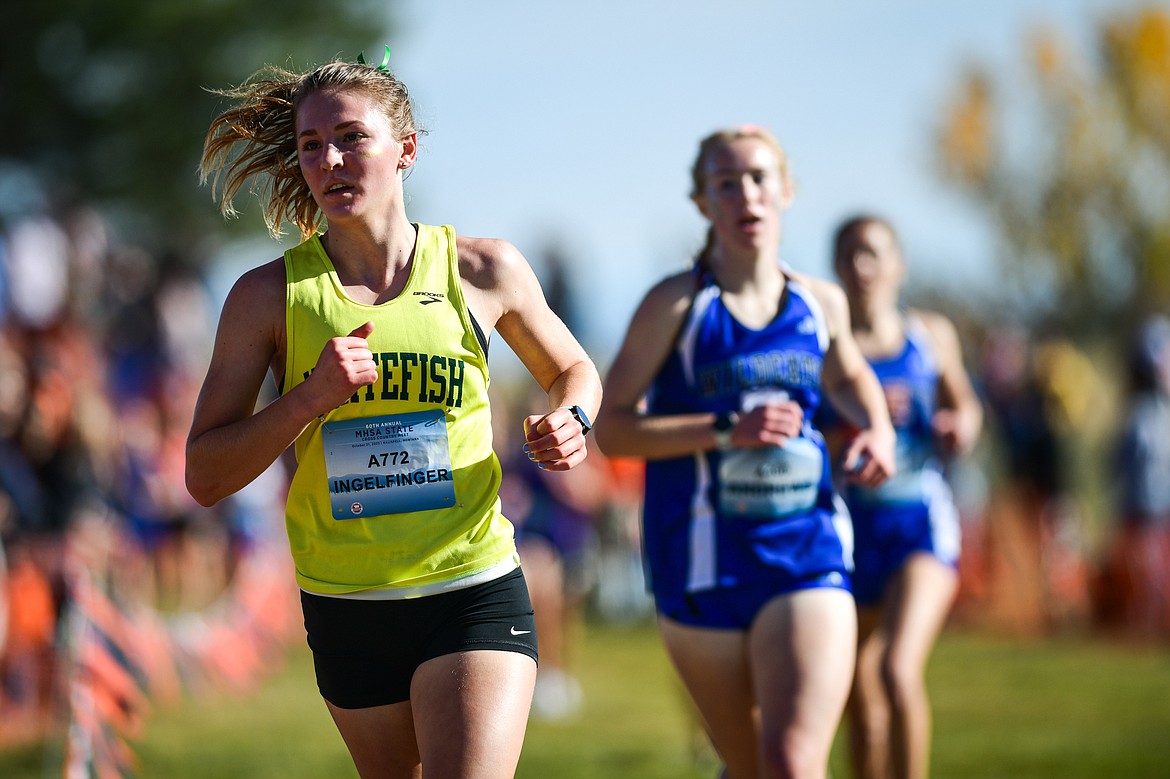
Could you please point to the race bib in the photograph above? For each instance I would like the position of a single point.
(390, 464)
(771, 482)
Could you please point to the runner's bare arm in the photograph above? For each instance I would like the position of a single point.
(850, 384)
(505, 295)
(231, 443)
(623, 428)
(959, 417)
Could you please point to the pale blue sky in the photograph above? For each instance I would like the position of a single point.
(578, 122)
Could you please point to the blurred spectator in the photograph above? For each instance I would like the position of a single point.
(37, 272)
(102, 348)
(555, 515)
(21, 498)
(1037, 575)
(621, 595)
(133, 341)
(1134, 587)
(27, 662)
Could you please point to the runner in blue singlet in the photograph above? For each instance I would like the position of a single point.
(715, 387)
(906, 532)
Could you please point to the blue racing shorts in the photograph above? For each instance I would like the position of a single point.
(884, 537)
(736, 607)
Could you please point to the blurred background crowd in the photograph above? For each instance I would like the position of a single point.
(117, 589)
(1065, 505)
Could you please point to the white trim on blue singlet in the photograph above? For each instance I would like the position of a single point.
(701, 538)
(686, 339)
(818, 313)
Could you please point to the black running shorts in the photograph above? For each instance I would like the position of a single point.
(365, 652)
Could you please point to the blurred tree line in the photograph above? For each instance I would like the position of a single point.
(1080, 198)
(106, 104)
(1069, 159)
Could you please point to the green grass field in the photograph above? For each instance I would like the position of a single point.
(1067, 708)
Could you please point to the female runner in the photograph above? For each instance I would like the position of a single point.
(376, 331)
(906, 532)
(715, 386)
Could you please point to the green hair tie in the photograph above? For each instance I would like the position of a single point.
(385, 60)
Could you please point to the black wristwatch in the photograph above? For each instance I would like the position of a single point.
(579, 415)
(724, 426)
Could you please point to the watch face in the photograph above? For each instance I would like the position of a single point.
(580, 416)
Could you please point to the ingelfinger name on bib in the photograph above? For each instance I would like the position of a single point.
(392, 464)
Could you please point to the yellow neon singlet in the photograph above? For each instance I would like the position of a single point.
(397, 489)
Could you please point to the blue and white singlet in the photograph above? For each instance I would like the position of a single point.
(752, 518)
(913, 511)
